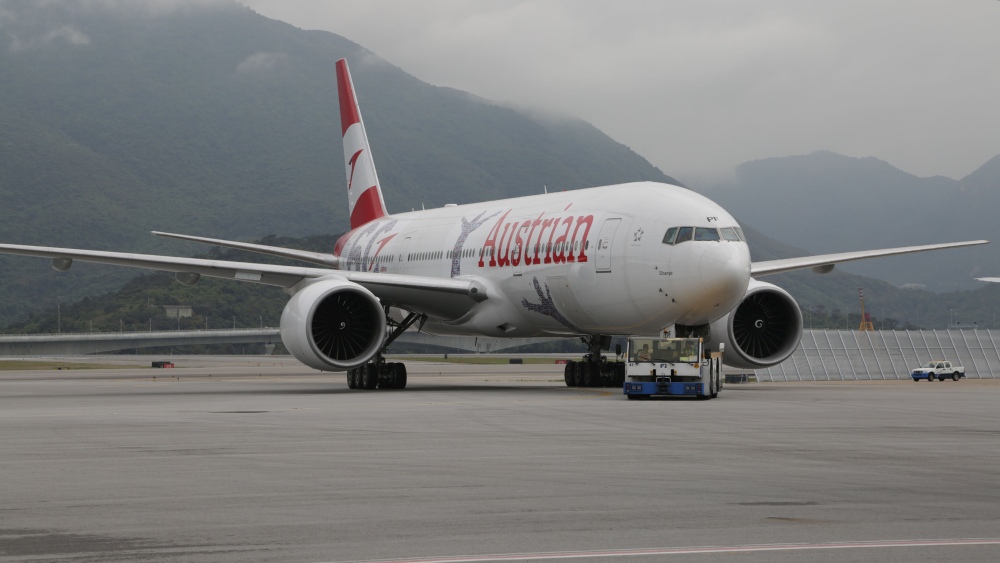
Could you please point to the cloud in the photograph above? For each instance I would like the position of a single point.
(261, 62)
(66, 34)
(698, 87)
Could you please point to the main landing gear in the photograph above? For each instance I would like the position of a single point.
(595, 370)
(378, 373)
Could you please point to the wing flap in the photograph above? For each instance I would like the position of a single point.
(304, 255)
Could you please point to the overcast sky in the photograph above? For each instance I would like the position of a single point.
(697, 87)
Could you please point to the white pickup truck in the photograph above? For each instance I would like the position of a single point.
(938, 369)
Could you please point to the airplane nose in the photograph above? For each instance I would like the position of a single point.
(725, 272)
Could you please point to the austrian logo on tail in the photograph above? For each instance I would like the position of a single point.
(354, 162)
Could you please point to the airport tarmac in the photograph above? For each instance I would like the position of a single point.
(262, 459)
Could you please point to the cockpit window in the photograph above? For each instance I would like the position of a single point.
(706, 233)
(669, 237)
(729, 233)
(684, 234)
(677, 235)
(739, 231)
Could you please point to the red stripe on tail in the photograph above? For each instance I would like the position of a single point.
(368, 208)
(349, 114)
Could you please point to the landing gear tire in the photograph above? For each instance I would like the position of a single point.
(351, 383)
(619, 374)
(569, 374)
(370, 377)
(591, 374)
(607, 374)
(399, 369)
(578, 373)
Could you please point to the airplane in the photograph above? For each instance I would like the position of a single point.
(629, 259)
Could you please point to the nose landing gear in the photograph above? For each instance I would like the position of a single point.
(594, 370)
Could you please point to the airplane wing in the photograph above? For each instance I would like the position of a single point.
(824, 263)
(304, 255)
(991, 280)
(436, 297)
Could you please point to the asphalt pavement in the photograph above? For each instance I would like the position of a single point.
(262, 459)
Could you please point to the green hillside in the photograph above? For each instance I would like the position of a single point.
(139, 304)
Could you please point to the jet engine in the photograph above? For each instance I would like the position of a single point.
(333, 325)
(762, 331)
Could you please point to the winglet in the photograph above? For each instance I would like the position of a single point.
(363, 190)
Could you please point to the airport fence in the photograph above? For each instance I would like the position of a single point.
(847, 355)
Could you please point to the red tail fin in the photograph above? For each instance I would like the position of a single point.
(363, 191)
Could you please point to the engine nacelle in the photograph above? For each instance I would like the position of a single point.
(762, 331)
(333, 325)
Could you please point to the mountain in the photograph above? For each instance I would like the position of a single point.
(118, 118)
(827, 202)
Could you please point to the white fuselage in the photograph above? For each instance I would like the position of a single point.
(589, 261)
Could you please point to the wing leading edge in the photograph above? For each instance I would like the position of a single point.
(823, 263)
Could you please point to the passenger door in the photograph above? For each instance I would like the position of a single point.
(605, 241)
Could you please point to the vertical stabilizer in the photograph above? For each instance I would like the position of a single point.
(363, 189)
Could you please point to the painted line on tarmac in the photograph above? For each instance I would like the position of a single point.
(543, 556)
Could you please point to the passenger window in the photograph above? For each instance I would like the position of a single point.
(684, 234)
(706, 233)
(729, 233)
(669, 237)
